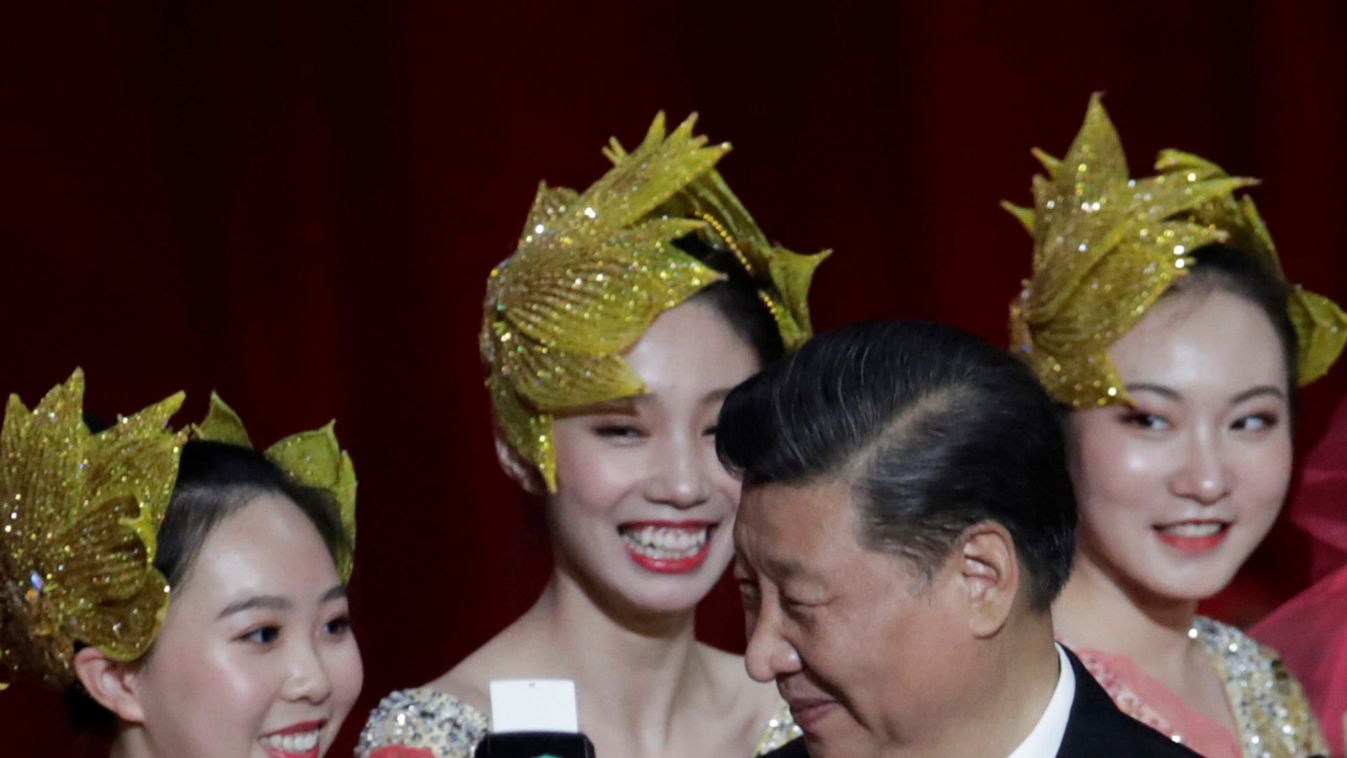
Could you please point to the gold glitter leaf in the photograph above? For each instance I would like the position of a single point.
(593, 271)
(313, 458)
(1107, 246)
(80, 516)
(222, 424)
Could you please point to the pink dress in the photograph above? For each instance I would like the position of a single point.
(1310, 631)
(1270, 711)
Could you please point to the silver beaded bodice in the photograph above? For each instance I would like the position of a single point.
(450, 728)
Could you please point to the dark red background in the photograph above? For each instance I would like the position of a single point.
(297, 203)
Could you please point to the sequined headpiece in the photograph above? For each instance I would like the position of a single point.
(1107, 246)
(313, 458)
(593, 271)
(81, 517)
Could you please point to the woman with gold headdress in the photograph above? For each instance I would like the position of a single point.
(1158, 316)
(610, 336)
(189, 591)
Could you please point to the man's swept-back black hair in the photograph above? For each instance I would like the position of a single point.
(936, 429)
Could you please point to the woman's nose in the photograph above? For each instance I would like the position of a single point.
(308, 678)
(1202, 474)
(682, 475)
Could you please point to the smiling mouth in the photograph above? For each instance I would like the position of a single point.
(667, 547)
(1195, 536)
(299, 741)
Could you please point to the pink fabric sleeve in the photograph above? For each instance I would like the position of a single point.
(1310, 634)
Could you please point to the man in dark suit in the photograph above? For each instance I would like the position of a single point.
(907, 520)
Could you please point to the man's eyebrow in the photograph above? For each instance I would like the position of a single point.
(268, 602)
(784, 568)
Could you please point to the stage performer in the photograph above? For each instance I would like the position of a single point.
(188, 591)
(610, 337)
(1158, 317)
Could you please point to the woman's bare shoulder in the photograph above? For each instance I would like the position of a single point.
(511, 654)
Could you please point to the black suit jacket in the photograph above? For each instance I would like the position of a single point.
(1095, 729)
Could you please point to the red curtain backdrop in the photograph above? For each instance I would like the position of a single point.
(297, 204)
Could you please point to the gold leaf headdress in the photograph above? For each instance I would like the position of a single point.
(782, 276)
(1107, 246)
(313, 458)
(81, 515)
(592, 271)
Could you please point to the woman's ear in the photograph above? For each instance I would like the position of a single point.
(110, 683)
(521, 471)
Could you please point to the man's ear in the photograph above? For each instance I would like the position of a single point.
(112, 684)
(524, 474)
(990, 576)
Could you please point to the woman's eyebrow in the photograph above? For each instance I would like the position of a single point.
(717, 395)
(622, 406)
(336, 593)
(1158, 389)
(268, 602)
(1262, 389)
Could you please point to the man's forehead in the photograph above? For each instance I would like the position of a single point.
(785, 528)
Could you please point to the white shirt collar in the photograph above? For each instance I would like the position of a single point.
(1047, 734)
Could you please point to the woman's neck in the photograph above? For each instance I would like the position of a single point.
(635, 668)
(1101, 611)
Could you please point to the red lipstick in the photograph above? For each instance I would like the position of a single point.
(300, 728)
(668, 565)
(1192, 544)
(275, 750)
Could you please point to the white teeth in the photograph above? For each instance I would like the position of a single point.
(666, 542)
(1191, 529)
(291, 743)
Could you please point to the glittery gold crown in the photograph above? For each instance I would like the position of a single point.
(593, 271)
(782, 276)
(1107, 246)
(81, 515)
(313, 458)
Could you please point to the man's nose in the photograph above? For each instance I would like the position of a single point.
(769, 655)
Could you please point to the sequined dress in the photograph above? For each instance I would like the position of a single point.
(1272, 716)
(450, 728)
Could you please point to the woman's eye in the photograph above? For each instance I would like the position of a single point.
(1256, 422)
(262, 635)
(618, 431)
(1147, 421)
(710, 431)
(338, 625)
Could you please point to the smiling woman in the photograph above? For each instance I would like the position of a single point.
(1158, 317)
(189, 592)
(611, 337)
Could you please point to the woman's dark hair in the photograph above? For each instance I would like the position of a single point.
(737, 298)
(215, 480)
(1219, 267)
